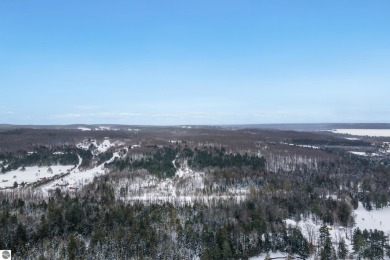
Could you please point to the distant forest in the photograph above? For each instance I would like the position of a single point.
(96, 222)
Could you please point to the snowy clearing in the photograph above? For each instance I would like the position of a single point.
(84, 128)
(101, 147)
(352, 138)
(374, 219)
(310, 230)
(102, 128)
(364, 132)
(77, 178)
(364, 153)
(302, 145)
(31, 174)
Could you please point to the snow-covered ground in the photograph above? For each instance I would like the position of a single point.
(31, 174)
(187, 186)
(363, 132)
(135, 146)
(374, 219)
(386, 147)
(310, 230)
(77, 178)
(358, 153)
(303, 145)
(101, 147)
(84, 128)
(364, 153)
(364, 219)
(102, 128)
(352, 138)
(271, 255)
(147, 187)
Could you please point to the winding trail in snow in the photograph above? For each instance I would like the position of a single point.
(77, 178)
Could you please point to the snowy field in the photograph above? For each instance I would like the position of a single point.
(364, 132)
(77, 178)
(74, 180)
(352, 138)
(375, 219)
(84, 128)
(100, 128)
(31, 174)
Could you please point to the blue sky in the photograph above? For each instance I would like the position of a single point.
(194, 62)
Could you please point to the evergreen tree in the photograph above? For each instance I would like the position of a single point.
(298, 243)
(342, 250)
(325, 243)
(324, 234)
(327, 251)
(226, 251)
(357, 243)
(76, 247)
(267, 243)
(21, 234)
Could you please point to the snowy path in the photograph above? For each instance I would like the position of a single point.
(77, 178)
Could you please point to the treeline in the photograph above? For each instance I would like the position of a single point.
(218, 157)
(370, 244)
(330, 142)
(159, 164)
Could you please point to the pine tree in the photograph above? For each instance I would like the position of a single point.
(21, 234)
(76, 247)
(324, 234)
(226, 251)
(299, 244)
(327, 251)
(342, 249)
(267, 243)
(357, 242)
(325, 243)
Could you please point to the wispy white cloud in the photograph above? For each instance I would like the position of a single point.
(8, 112)
(95, 115)
(146, 118)
(86, 107)
(182, 115)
